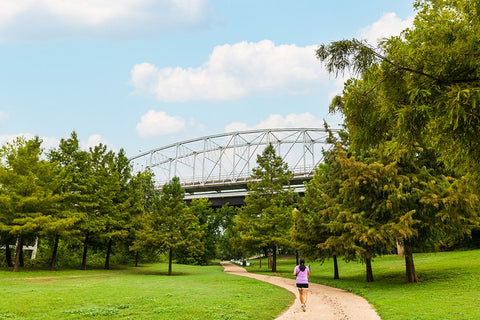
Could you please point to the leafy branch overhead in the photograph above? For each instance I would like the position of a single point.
(421, 85)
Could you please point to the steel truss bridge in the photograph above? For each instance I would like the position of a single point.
(219, 166)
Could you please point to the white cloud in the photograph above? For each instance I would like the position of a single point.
(292, 120)
(93, 141)
(387, 26)
(234, 71)
(34, 19)
(158, 123)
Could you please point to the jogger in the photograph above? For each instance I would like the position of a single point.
(302, 272)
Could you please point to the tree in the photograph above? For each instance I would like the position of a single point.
(143, 194)
(266, 218)
(422, 85)
(361, 208)
(69, 163)
(119, 212)
(95, 197)
(27, 190)
(317, 231)
(208, 225)
(414, 102)
(171, 226)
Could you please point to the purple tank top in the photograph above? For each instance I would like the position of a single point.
(302, 276)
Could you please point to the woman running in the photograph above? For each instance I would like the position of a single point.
(302, 272)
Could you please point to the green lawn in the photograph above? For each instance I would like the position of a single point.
(138, 293)
(449, 287)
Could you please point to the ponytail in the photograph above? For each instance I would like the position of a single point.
(302, 264)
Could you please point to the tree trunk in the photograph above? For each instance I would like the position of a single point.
(409, 264)
(368, 263)
(18, 253)
(20, 245)
(53, 260)
(170, 258)
(136, 258)
(8, 254)
(336, 276)
(107, 259)
(296, 257)
(84, 256)
(274, 259)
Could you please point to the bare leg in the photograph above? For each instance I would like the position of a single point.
(305, 295)
(300, 293)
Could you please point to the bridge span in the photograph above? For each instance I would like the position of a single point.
(220, 166)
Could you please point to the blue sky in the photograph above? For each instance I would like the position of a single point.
(141, 74)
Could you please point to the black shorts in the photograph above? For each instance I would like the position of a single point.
(302, 285)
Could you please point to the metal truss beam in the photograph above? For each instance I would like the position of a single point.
(225, 161)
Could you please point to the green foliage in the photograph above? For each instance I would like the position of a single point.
(209, 226)
(411, 111)
(171, 226)
(226, 232)
(317, 232)
(266, 218)
(27, 193)
(422, 86)
(74, 198)
(367, 208)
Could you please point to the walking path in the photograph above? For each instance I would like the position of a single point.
(324, 302)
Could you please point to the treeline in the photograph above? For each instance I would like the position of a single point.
(84, 203)
(357, 208)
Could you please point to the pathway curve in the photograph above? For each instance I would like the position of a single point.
(324, 302)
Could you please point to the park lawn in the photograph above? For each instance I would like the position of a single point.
(449, 287)
(146, 292)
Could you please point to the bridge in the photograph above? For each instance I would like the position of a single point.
(220, 166)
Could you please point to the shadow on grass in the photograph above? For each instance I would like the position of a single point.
(147, 270)
(159, 273)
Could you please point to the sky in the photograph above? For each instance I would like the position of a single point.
(143, 74)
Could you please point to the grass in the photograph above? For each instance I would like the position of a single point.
(138, 293)
(449, 287)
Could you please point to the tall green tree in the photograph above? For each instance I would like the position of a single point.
(171, 226)
(359, 218)
(414, 99)
(143, 194)
(208, 224)
(266, 219)
(27, 190)
(69, 161)
(122, 205)
(95, 202)
(316, 230)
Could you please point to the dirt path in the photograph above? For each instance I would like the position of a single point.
(324, 302)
